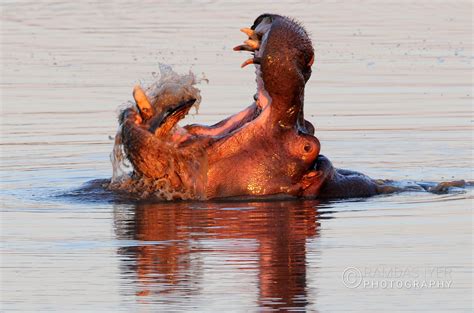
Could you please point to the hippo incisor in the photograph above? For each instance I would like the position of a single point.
(268, 149)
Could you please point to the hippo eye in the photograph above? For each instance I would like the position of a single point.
(307, 147)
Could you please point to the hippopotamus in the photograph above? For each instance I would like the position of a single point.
(266, 150)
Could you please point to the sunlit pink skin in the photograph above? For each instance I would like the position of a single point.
(254, 159)
(268, 149)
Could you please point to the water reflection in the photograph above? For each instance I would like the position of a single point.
(179, 242)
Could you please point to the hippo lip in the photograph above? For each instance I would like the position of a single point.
(173, 114)
(180, 108)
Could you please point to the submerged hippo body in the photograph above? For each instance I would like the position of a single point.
(268, 149)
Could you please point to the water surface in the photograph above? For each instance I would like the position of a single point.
(390, 96)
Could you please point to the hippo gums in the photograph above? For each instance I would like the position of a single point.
(268, 149)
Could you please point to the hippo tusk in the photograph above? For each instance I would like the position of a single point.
(248, 31)
(144, 106)
(253, 34)
(252, 43)
(250, 61)
(244, 48)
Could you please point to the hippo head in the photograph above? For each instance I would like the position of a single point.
(266, 150)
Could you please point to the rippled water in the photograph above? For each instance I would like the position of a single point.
(390, 96)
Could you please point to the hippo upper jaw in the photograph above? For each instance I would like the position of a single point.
(283, 56)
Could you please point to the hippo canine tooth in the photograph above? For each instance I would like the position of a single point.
(249, 32)
(247, 62)
(253, 34)
(144, 106)
(244, 48)
(252, 43)
(250, 61)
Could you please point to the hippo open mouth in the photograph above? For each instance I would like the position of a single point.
(267, 149)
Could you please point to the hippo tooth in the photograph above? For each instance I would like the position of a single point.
(252, 33)
(144, 106)
(250, 61)
(249, 32)
(243, 48)
(252, 43)
(247, 62)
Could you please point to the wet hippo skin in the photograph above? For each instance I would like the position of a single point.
(268, 149)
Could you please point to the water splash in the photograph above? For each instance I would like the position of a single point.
(190, 163)
(169, 87)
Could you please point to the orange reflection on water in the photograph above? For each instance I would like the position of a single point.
(266, 237)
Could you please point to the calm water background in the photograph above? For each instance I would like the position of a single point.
(390, 96)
